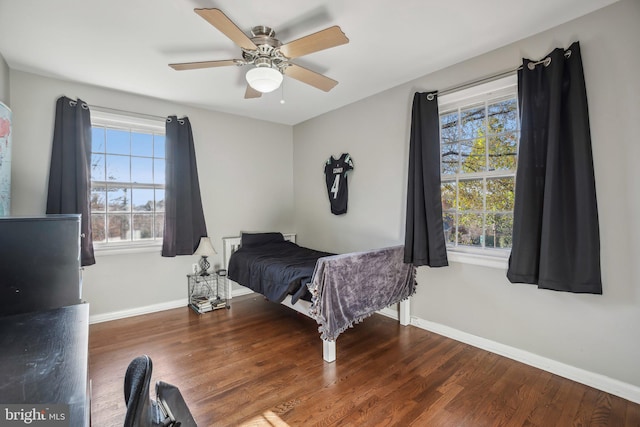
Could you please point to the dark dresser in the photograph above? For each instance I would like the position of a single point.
(39, 263)
(44, 326)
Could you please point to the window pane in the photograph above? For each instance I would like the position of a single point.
(472, 122)
(119, 227)
(449, 158)
(449, 224)
(159, 200)
(118, 142)
(142, 226)
(503, 151)
(142, 199)
(473, 155)
(97, 140)
(159, 228)
(141, 144)
(499, 231)
(98, 199)
(118, 168)
(126, 158)
(97, 167)
(448, 190)
(470, 195)
(478, 157)
(158, 146)
(97, 228)
(141, 170)
(119, 200)
(158, 171)
(449, 127)
(500, 194)
(503, 116)
(470, 229)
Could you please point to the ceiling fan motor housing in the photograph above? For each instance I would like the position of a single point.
(267, 53)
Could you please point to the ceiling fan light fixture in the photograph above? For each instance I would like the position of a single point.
(264, 79)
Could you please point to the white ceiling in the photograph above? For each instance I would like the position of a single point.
(127, 44)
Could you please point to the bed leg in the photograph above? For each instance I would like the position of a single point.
(405, 313)
(329, 351)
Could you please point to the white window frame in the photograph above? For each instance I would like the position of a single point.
(502, 87)
(132, 123)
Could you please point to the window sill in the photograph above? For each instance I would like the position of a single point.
(123, 249)
(498, 261)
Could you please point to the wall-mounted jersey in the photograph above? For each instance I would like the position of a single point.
(335, 173)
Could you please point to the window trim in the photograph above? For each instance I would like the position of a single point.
(133, 123)
(487, 257)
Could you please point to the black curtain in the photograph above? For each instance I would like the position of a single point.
(556, 241)
(69, 173)
(424, 242)
(184, 218)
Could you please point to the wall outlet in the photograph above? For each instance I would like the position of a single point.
(194, 268)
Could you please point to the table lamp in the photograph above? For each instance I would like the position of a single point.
(205, 249)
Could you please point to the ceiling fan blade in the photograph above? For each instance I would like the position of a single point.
(330, 37)
(251, 93)
(219, 20)
(310, 77)
(204, 64)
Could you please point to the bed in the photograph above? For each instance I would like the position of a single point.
(337, 290)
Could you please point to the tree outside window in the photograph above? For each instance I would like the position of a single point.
(479, 148)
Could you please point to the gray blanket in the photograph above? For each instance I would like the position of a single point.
(350, 287)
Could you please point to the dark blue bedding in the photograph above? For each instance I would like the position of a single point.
(275, 269)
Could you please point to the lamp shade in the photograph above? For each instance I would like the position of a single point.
(264, 79)
(205, 248)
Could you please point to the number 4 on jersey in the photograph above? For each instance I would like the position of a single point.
(335, 187)
(335, 172)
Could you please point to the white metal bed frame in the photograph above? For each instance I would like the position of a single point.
(231, 244)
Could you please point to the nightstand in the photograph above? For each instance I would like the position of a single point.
(208, 292)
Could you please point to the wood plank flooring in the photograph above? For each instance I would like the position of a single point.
(260, 364)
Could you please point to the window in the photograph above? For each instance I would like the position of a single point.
(479, 134)
(127, 180)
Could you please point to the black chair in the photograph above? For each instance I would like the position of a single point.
(140, 410)
(169, 409)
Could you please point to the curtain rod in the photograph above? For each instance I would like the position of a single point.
(128, 113)
(531, 65)
(476, 82)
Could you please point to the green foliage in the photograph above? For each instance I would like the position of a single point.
(478, 206)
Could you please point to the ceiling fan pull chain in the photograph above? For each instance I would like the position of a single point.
(282, 94)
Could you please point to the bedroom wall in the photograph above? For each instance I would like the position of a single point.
(597, 334)
(4, 81)
(240, 188)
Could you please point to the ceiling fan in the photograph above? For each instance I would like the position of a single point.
(271, 58)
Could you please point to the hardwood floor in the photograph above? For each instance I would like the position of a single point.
(260, 364)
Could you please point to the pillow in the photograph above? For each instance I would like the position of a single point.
(251, 240)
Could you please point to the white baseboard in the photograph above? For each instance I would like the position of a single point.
(114, 315)
(240, 292)
(389, 312)
(592, 379)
